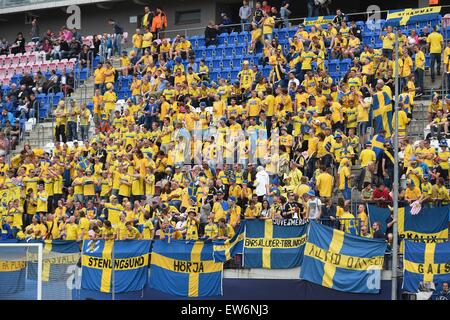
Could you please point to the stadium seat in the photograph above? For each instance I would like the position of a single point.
(42, 98)
(233, 38)
(244, 37)
(227, 63)
(223, 38)
(344, 65)
(213, 75)
(333, 65)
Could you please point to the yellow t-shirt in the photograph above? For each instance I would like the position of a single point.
(435, 40)
(324, 183)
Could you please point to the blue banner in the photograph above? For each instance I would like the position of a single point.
(57, 256)
(225, 250)
(428, 225)
(377, 214)
(342, 261)
(130, 265)
(185, 268)
(12, 276)
(270, 244)
(425, 262)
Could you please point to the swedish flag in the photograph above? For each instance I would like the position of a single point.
(427, 262)
(57, 256)
(411, 16)
(378, 142)
(342, 261)
(130, 266)
(381, 106)
(429, 225)
(272, 246)
(84, 164)
(225, 250)
(185, 269)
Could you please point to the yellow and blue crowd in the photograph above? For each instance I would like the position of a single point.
(190, 158)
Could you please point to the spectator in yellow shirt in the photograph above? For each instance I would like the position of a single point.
(137, 42)
(435, 42)
(412, 192)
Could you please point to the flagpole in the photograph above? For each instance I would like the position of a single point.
(396, 178)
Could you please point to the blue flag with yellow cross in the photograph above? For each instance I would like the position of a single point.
(129, 272)
(425, 262)
(342, 261)
(185, 268)
(225, 250)
(428, 225)
(57, 258)
(270, 244)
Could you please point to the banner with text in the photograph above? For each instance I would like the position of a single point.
(185, 268)
(342, 261)
(274, 244)
(129, 271)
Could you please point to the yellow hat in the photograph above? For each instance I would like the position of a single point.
(108, 86)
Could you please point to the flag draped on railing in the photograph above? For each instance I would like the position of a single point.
(342, 261)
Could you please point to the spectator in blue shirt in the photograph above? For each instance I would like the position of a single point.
(6, 115)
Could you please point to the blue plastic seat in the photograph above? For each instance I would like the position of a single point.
(227, 63)
(233, 38)
(244, 37)
(201, 42)
(229, 52)
(57, 97)
(213, 75)
(42, 98)
(237, 62)
(333, 65)
(345, 65)
(217, 64)
(223, 38)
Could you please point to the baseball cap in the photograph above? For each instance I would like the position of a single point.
(311, 193)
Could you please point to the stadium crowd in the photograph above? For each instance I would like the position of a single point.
(190, 158)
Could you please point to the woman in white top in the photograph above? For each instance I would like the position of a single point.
(266, 212)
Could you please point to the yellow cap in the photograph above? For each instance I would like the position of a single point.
(108, 86)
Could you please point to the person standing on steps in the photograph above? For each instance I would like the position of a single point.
(435, 43)
(118, 34)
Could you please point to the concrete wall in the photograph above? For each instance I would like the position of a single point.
(94, 17)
